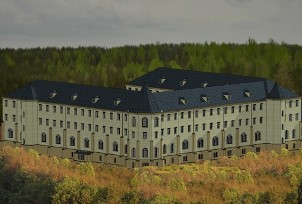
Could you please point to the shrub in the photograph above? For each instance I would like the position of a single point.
(164, 199)
(177, 184)
(130, 197)
(86, 168)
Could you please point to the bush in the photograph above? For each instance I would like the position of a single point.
(130, 197)
(86, 168)
(164, 199)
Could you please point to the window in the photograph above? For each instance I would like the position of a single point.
(168, 117)
(54, 109)
(175, 130)
(145, 153)
(211, 126)
(104, 115)
(215, 141)
(189, 128)
(257, 135)
(243, 137)
(218, 125)
(61, 123)
(232, 123)
(185, 158)
(115, 146)
(200, 156)
(144, 135)
(54, 123)
(225, 124)
(181, 129)
(294, 133)
(164, 149)
(215, 154)
(240, 122)
(58, 139)
(168, 131)
(133, 152)
(246, 108)
(258, 149)
(172, 148)
(196, 127)
(68, 110)
(133, 121)
(203, 113)
(286, 134)
(218, 111)
(233, 109)
(86, 143)
(162, 118)
(125, 117)
(43, 137)
(203, 126)
(111, 116)
(155, 152)
(133, 134)
(254, 121)
(5, 103)
(225, 110)
(126, 149)
(229, 153)
(75, 111)
(14, 118)
(47, 108)
(47, 122)
(162, 132)
(211, 112)
(261, 120)
(196, 114)
(189, 114)
(290, 104)
(185, 144)
(156, 122)
(254, 107)
(96, 128)
(40, 121)
(101, 145)
(290, 117)
(118, 131)
(247, 121)
(200, 143)
(96, 113)
(118, 115)
(243, 151)
(297, 103)
(125, 131)
(89, 127)
(297, 116)
(72, 141)
(61, 109)
(229, 139)
(155, 134)
(261, 106)
(40, 107)
(240, 108)
(81, 156)
(145, 122)
(175, 116)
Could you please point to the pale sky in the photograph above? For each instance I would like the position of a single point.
(106, 23)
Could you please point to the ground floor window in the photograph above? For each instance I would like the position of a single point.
(215, 154)
(243, 151)
(258, 149)
(200, 156)
(229, 153)
(185, 158)
(81, 156)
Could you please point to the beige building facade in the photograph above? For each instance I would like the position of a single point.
(147, 124)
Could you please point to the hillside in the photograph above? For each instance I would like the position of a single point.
(113, 67)
(26, 177)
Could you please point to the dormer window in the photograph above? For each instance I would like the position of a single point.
(183, 82)
(117, 102)
(74, 97)
(204, 98)
(182, 100)
(247, 93)
(53, 94)
(226, 96)
(204, 84)
(162, 80)
(95, 99)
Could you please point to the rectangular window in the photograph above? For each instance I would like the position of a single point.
(47, 122)
(75, 125)
(111, 116)
(61, 123)
(133, 134)
(5, 103)
(125, 117)
(82, 126)
(68, 110)
(247, 121)
(89, 113)
(118, 131)
(54, 109)
(111, 130)
(168, 131)
(162, 118)
(189, 128)
(104, 115)
(182, 115)
(211, 126)
(297, 103)
(196, 127)
(40, 121)
(155, 134)
(246, 108)
(144, 135)
(290, 104)
(254, 121)
(261, 106)
(125, 131)
(290, 117)
(211, 112)
(75, 111)
(254, 107)
(240, 122)
(118, 115)
(203, 126)
(47, 108)
(225, 110)
(232, 123)
(239, 109)
(14, 118)
(104, 129)
(40, 107)
(82, 112)
(225, 124)
(96, 113)
(68, 124)
(175, 116)
(162, 132)
(189, 114)
(196, 114)
(233, 109)
(218, 111)
(243, 151)
(54, 123)
(181, 129)
(61, 109)
(297, 116)
(218, 125)
(203, 113)
(261, 120)
(175, 130)
(168, 117)
(185, 158)
(96, 128)
(89, 127)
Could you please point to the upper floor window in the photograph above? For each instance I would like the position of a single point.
(171, 147)
(115, 146)
(10, 133)
(257, 135)
(200, 143)
(155, 152)
(185, 144)
(144, 135)
(247, 108)
(72, 141)
(82, 112)
(61, 109)
(133, 152)
(290, 104)
(229, 139)
(215, 141)
(43, 137)
(243, 137)
(58, 139)
(297, 103)
(156, 122)
(133, 121)
(261, 106)
(286, 134)
(145, 152)
(101, 144)
(86, 143)
(40, 107)
(294, 133)
(14, 104)
(5, 103)
(75, 111)
(164, 149)
(145, 122)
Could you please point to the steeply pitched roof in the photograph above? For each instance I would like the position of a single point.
(146, 102)
(178, 79)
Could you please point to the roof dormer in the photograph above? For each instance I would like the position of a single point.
(162, 80)
(183, 82)
(246, 93)
(52, 94)
(204, 98)
(117, 102)
(204, 84)
(95, 99)
(226, 96)
(182, 100)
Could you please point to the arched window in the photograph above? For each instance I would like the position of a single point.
(257, 135)
(172, 148)
(200, 143)
(145, 152)
(115, 146)
(101, 144)
(185, 144)
(229, 139)
(72, 141)
(215, 141)
(155, 152)
(156, 122)
(43, 137)
(133, 121)
(133, 152)
(10, 133)
(58, 139)
(294, 133)
(86, 143)
(286, 134)
(145, 122)
(165, 149)
(126, 149)
(243, 137)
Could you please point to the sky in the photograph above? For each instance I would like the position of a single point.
(108, 23)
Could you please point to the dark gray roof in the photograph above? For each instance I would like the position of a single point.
(193, 79)
(145, 102)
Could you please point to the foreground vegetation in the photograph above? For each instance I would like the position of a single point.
(116, 66)
(26, 177)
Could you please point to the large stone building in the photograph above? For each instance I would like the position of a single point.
(165, 117)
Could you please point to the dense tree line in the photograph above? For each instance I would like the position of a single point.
(115, 66)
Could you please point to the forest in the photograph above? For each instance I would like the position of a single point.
(113, 67)
(267, 177)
